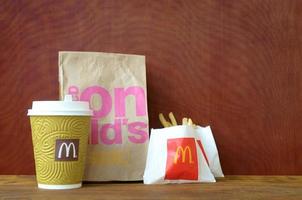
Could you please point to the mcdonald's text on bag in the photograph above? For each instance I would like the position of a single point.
(137, 130)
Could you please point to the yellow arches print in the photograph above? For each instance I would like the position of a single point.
(183, 154)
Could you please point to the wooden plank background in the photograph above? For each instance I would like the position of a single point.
(235, 65)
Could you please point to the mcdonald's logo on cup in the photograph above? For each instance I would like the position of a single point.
(67, 149)
(181, 159)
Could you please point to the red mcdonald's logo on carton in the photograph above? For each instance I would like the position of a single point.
(181, 159)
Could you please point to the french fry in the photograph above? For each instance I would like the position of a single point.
(163, 121)
(190, 123)
(184, 121)
(172, 119)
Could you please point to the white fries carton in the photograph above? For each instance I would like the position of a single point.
(177, 154)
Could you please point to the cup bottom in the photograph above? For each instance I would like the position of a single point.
(59, 187)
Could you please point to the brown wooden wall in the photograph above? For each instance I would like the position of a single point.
(235, 64)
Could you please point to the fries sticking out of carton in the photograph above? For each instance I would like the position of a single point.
(173, 122)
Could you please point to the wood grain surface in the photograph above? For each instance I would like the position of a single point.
(232, 187)
(235, 65)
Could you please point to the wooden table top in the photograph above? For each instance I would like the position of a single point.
(231, 187)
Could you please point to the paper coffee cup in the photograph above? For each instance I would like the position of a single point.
(60, 132)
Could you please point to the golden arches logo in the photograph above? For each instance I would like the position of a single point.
(66, 149)
(182, 151)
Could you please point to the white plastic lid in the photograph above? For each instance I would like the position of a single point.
(66, 107)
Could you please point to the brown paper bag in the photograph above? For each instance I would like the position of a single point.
(115, 86)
